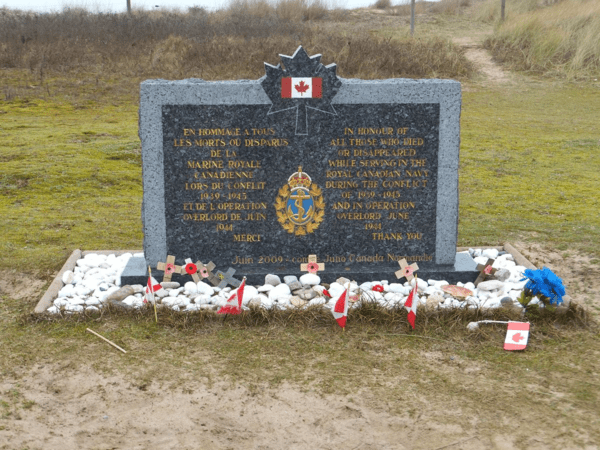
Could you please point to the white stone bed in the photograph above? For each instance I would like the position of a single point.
(96, 278)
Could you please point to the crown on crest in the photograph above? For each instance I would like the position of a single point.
(299, 179)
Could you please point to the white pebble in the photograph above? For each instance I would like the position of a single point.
(318, 289)
(67, 291)
(422, 284)
(490, 285)
(202, 299)
(480, 260)
(336, 289)
(161, 293)
(138, 288)
(67, 277)
(168, 301)
(491, 253)
(82, 290)
(60, 302)
(395, 287)
(367, 286)
(430, 290)
(206, 289)
(190, 288)
(265, 301)
(279, 292)
(130, 300)
(310, 279)
(318, 301)
(250, 292)
(265, 288)
(73, 308)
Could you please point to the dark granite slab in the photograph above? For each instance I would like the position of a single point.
(368, 177)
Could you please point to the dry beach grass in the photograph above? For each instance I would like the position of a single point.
(69, 151)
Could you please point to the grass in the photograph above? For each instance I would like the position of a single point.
(71, 178)
(529, 166)
(441, 361)
(561, 38)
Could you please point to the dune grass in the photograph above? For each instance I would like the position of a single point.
(561, 38)
(218, 45)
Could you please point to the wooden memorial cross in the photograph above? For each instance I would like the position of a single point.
(406, 270)
(191, 269)
(169, 268)
(206, 271)
(227, 278)
(485, 270)
(312, 266)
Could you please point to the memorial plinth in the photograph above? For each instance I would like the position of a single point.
(256, 175)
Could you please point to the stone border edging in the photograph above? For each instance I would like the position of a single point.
(52, 291)
(519, 259)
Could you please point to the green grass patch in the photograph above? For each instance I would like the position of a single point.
(67, 176)
(528, 169)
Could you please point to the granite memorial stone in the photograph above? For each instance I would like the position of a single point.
(252, 174)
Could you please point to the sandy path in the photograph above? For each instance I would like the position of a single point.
(86, 410)
(482, 59)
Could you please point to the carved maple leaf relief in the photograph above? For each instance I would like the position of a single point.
(301, 87)
(300, 65)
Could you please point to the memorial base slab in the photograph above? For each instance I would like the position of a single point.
(463, 270)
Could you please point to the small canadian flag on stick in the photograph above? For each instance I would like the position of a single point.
(301, 88)
(234, 304)
(340, 310)
(516, 336)
(411, 305)
(151, 287)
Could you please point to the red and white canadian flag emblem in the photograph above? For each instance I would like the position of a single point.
(234, 304)
(340, 310)
(151, 287)
(411, 305)
(516, 336)
(301, 88)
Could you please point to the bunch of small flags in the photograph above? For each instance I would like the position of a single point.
(541, 282)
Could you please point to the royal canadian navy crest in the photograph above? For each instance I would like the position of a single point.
(299, 205)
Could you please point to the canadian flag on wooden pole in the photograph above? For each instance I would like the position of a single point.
(516, 336)
(301, 88)
(151, 287)
(234, 304)
(411, 304)
(340, 310)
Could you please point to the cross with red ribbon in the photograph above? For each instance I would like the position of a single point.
(191, 269)
(312, 266)
(206, 271)
(169, 268)
(406, 270)
(485, 271)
